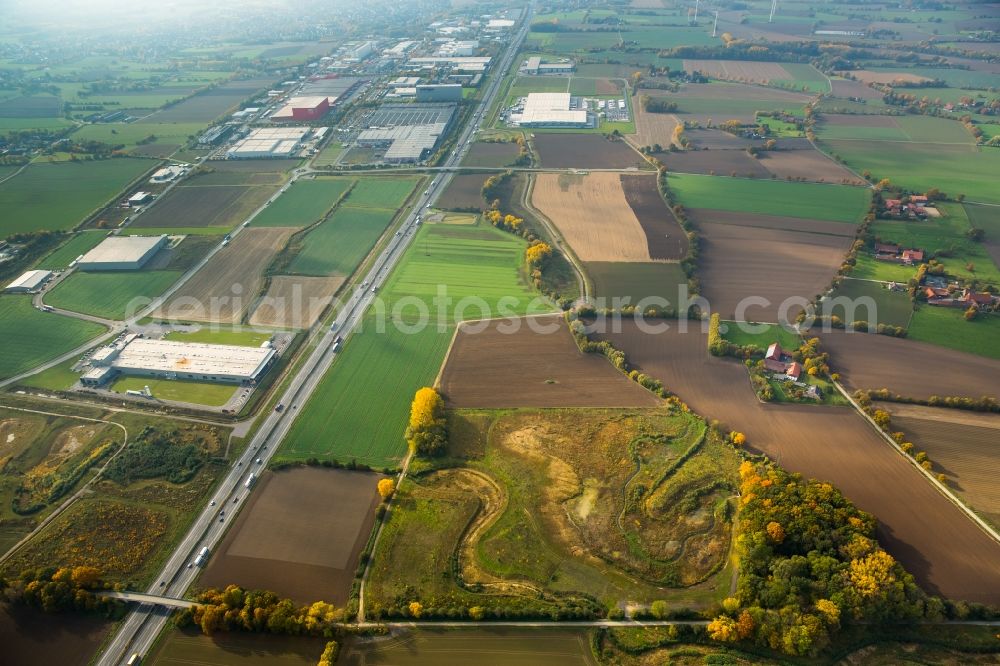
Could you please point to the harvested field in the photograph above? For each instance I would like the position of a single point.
(868, 76)
(732, 101)
(253, 166)
(592, 214)
(809, 164)
(909, 368)
(713, 139)
(845, 88)
(210, 104)
(295, 301)
(708, 216)
(636, 281)
(206, 204)
(738, 70)
(31, 636)
(938, 544)
(962, 446)
(491, 154)
(715, 162)
(665, 239)
(226, 286)
(739, 263)
(538, 365)
(653, 127)
(585, 151)
(465, 191)
(300, 535)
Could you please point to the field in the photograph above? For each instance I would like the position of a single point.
(382, 193)
(360, 408)
(29, 205)
(549, 370)
(942, 548)
(210, 394)
(304, 203)
(584, 151)
(586, 208)
(922, 129)
(636, 281)
(294, 301)
(891, 307)
(564, 469)
(220, 336)
(719, 102)
(740, 334)
(341, 242)
(735, 163)
(496, 647)
(739, 253)
(220, 199)
(463, 192)
(286, 540)
(737, 70)
(168, 136)
(32, 337)
(227, 285)
(78, 244)
(987, 218)
(491, 155)
(909, 367)
(208, 105)
(947, 327)
(32, 636)
(110, 295)
(809, 164)
(185, 648)
(771, 197)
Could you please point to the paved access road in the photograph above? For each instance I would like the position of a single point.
(143, 624)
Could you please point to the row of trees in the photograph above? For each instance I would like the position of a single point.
(61, 589)
(658, 105)
(427, 431)
(259, 611)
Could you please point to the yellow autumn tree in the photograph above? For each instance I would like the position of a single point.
(775, 532)
(537, 254)
(738, 438)
(869, 575)
(829, 611)
(329, 656)
(723, 628)
(416, 609)
(386, 487)
(427, 433)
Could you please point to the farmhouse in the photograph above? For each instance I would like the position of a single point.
(964, 299)
(122, 253)
(170, 359)
(781, 364)
(896, 254)
(28, 282)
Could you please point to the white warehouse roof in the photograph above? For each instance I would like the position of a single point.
(172, 356)
(120, 249)
(29, 281)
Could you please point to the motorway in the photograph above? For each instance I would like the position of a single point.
(143, 624)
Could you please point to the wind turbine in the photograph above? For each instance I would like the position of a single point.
(774, 6)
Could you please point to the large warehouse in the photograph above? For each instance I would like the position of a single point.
(29, 281)
(121, 253)
(170, 359)
(550, 110)
(269, 142)
(303, 109)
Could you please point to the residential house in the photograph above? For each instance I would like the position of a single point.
(775, 359)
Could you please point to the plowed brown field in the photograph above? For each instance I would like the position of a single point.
(808, 164)
(584, 151)
(463, 192)
(665, 239)
(295, 301)
(715, 162)
(738, 70)
(494, 368)
(223, 289)
(300, 535)
(943, 548)
(910, 368)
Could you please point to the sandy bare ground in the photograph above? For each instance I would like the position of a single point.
(740, 263)
(738, 70)
(962, 446)
(910, 368)
(295, 301)
(300, 535)
(226, 286)
(938, 544)
(531, 368)
(811, 165)
(868, 76)
(592, 214)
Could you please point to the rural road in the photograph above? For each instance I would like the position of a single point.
(141, 627)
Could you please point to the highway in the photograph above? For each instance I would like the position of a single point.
(143, 624)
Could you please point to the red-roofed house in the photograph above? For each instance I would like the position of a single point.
(911, 257)
(792, 371)
(886, 249)
(774, 359)
(919, 199)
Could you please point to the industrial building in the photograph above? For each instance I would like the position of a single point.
(458, 63)
(439, 92)
(534, 66)
(400, 50)
(302, 109)
(140, 198)
(269, 143)
(170, 359)
(550, 110)
(458, 48)
(168, 173)
(408, 143)
(214, 135)
(121, 253)
(29, 281)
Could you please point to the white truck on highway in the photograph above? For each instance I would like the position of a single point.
(250, 480)
(202, 556)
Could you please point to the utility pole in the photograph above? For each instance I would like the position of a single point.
(774, 6)
(696, 3)
(715, 28)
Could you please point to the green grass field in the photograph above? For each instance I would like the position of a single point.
(341, 242)
(387, 193)
(953, 169)
(110, 295)
(210, 394)
(32, 337)
(221, 336)
(920, 129)
(360, 408)
(890, 307)
(947, 327)
(635, 281)
(837, 203)
(805, 77)
(986, 218)
(305, 202)
(65, 254)
(769, 333)
(129, 134)
(59, 196)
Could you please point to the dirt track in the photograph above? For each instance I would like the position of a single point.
(300, 535)
(492, 369)
(593, 215)
(939, 545)
(227, 285)
(910, 368)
